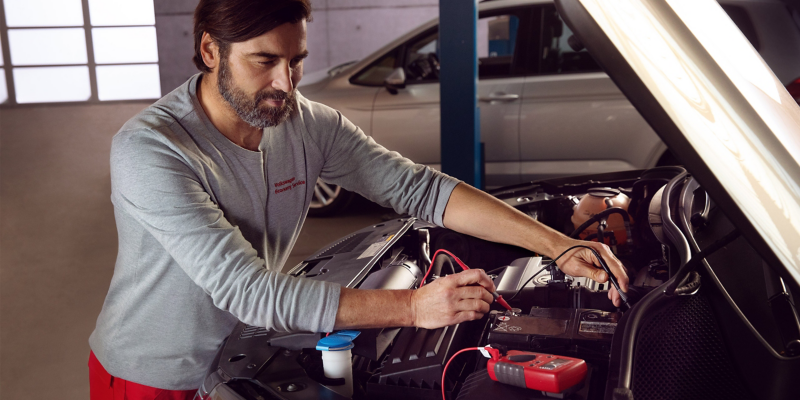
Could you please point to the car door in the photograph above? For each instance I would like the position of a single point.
(574, 119)
(409, 121)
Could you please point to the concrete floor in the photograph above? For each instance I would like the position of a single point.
(58, 242)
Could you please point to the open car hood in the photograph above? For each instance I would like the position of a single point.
(714, 101)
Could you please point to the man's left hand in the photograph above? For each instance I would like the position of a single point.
(581, 262)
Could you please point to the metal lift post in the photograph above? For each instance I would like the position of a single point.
(458, 77)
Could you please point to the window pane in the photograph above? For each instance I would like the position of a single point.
(375, 74)
(124, 45)
(558, 56)
(52, 84)
(22, 13)
(3, 90)
(47, 46)
(422, 59)
(121, 12)
(127, 82)
(497, 38)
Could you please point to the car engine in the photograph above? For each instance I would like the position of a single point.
(655, 221)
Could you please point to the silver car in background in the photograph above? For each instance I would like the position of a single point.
(546, 108)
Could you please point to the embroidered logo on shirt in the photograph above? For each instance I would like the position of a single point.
(288, 184)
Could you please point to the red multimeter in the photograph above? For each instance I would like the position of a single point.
(545, 372)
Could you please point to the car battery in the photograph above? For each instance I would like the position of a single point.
(582, 333)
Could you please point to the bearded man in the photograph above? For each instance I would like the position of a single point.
(211, 185)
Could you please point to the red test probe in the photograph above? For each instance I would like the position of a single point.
(498, 298)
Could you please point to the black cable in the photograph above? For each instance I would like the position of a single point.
(601, 229)
(602, 262)
(602, 214)
(697, 259)
(626, 218)
(496, 269)
(529, 280)
(689, 284)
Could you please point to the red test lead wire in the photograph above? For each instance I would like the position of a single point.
(444, 371)
(458, 261)
(498, 298)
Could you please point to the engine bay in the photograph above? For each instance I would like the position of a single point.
(654, 221)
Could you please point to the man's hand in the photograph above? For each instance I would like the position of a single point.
(455, 298)
(452, 299)
(475, 213)
(581, 262)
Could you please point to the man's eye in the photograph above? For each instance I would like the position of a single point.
(270, 62)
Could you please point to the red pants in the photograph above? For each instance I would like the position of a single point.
(103, 386)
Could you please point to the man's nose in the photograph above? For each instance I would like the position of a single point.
(283, 78)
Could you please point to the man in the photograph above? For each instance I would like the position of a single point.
(210, 187)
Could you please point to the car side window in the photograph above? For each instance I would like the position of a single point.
(422, 59)
(558, 56)
(377, 72)
(497, 39)
(497, 53)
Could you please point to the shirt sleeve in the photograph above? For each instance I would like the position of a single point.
(357, 163)
(154, 183)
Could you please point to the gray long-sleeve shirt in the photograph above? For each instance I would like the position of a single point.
(205, 227)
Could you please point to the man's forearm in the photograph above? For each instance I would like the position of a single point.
(446, 301)
(374, 308)
(475, 213)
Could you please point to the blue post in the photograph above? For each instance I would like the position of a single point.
(458, 77)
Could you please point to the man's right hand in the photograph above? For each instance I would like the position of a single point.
(452, 299)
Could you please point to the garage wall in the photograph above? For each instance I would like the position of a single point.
(57, 227)
(59, 243)
(341, 30)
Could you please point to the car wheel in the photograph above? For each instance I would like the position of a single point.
(328, 200)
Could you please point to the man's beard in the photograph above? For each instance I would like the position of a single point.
(248, 109)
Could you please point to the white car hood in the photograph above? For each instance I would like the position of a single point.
(704, 89)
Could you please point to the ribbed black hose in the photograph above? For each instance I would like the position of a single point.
(697, 259)
(689, 284)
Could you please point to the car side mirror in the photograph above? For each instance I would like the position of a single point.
(396, 80)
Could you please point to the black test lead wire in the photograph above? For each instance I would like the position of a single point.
(613, 279)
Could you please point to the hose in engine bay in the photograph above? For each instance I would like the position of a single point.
(602, 215)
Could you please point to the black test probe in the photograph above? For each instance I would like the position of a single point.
(613, 279)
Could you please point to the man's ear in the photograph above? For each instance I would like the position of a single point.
(209, 50)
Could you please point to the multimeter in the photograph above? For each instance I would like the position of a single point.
(546, 372)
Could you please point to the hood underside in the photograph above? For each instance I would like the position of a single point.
(711, 98)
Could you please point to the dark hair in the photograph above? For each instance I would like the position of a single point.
(233, 21)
